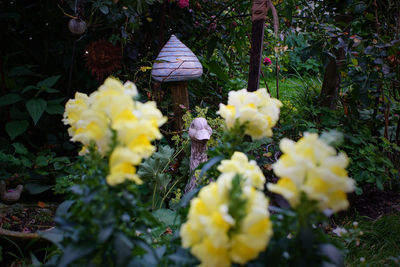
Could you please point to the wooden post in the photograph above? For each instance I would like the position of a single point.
(180, 102)
(259, 11)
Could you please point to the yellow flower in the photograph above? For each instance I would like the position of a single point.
(121, 166)
(313, 167)
(112, 110)
(257, 110)
(130, 89)
(74, 109)
(255, 231)
(239, 164)
(287, 189)
(207, 231)
(93, 127)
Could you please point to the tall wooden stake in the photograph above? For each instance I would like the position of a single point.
(259, 11)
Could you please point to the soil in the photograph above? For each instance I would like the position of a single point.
(27, 218)
(375, 203)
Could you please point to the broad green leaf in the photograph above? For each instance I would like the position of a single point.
(54, 235)
(20, 148)
(166, 216)
(26, 162)
(73, 252)
(49, 82)
(63, 208)
(123, 247)
(9, 99)
(54, 109)
(28, 88)
(215, 67)
(15, 128)
(36, 107)
(42, 161)
(35, 189)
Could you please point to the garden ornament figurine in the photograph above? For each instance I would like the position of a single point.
(199, 134)
(176, 64)
(12, 195)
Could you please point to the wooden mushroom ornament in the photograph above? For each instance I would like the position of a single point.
(176, 64)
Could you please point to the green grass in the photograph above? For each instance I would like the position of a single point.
(379, 243)
(290, 87)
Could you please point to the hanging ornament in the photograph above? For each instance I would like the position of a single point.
(77, 26)
(102, 58)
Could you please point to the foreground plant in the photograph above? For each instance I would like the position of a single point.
(104, 222)
(229, 220)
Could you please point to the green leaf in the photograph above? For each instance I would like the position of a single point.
(36, 107)
(214, 67)
(63, 208)
(42, 161)
(73, 252)
(54, 235)
(35, 261)
(150, 169)
(9, 99)
(49, 82)
(35, 189)
(104, 10)
(210, 163)
(28, 88)
(20, 148)
(139, 7)
(123, 247)
(26, 162)
(54, 109)
(58, 166)
(166, 217)
(15, 128)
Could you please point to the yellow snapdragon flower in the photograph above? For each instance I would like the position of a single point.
(257, 109)
(122, 161)
(209, 229)
(111, 109)
(74, 109)
(239, 164)
(313, 167)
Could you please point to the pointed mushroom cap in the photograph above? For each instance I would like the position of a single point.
(176, 62)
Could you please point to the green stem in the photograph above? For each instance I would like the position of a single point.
(169, 191)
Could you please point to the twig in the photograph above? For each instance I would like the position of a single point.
(277, 75)
(265, 82)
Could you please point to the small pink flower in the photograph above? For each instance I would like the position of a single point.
(267, 61)
(183, 3)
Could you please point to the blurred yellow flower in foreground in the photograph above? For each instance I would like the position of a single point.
(239, 164)
(257, 110)
(112, 110)
(216, 232)
(313, 167)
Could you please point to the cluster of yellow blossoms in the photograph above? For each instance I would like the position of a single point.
(112, 108)
(239, 164)
(313, 167)
(208, 231)
(256, 109)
